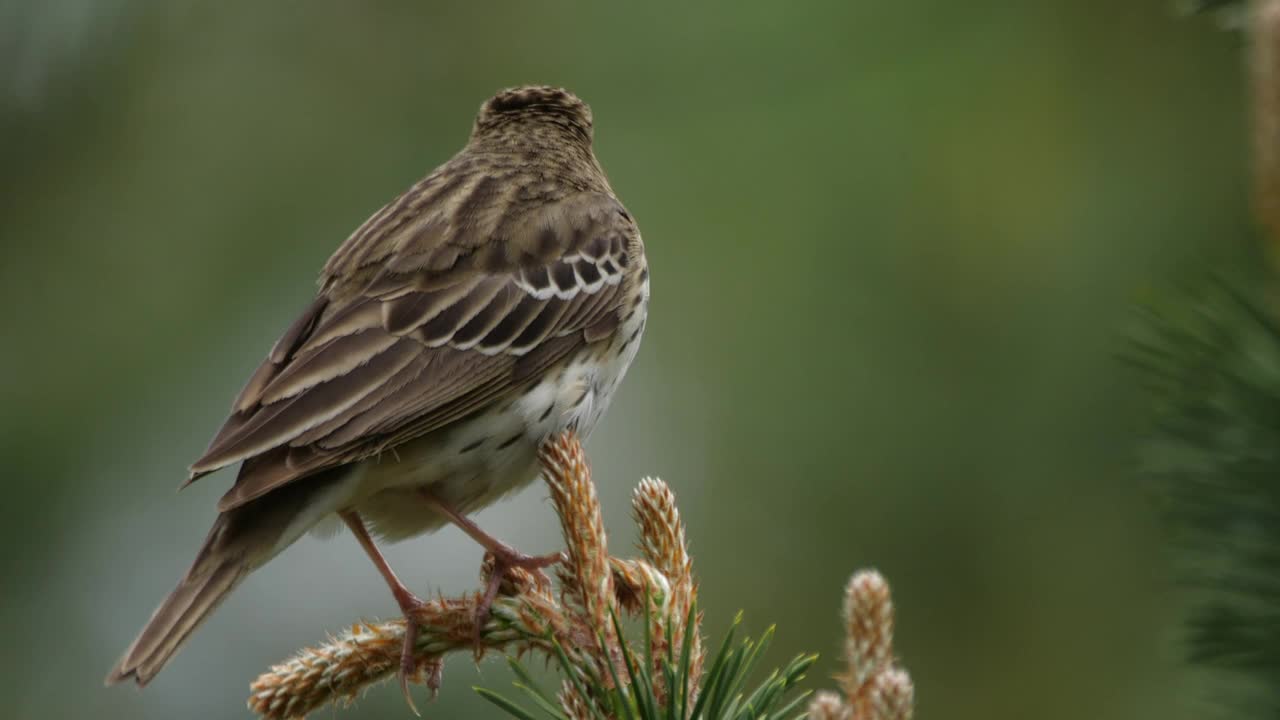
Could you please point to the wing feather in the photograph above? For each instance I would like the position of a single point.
(324, 363)
(408, 312)
(279, 423)
(421, 321)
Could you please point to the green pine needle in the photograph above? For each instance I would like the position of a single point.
(509, 707)
(1212, 361)
(725, 693)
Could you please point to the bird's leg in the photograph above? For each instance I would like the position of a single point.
(405, 598)
(505, 557)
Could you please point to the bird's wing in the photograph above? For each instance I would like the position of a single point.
(417, 329)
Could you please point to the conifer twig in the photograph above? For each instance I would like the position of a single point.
(875, 687)
(527, 616)
(579, 628)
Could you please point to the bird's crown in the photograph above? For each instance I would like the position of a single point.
(531, 101)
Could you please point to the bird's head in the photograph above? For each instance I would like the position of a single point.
(522, 109)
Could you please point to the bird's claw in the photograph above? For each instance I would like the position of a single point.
(408, 659)
(495, 571)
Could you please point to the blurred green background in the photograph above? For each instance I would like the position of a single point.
(894, 250)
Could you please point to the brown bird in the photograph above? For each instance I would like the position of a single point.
(496, 302)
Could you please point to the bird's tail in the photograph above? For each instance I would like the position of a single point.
(231, 551)
(242, 540)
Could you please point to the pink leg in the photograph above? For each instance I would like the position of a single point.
(405, 598)
(505, 557)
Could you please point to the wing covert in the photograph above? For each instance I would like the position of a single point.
(445, 326)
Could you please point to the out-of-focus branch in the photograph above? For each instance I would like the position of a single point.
(875, 687)
(1264, 68)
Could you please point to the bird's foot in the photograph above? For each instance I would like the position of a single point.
(409, 605)
(498, 564)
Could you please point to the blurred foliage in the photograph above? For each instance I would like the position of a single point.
(1199, 6)
(894, 248)
(1232, 14)
(1212, 359)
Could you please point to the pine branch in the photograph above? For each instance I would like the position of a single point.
(666, 674)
